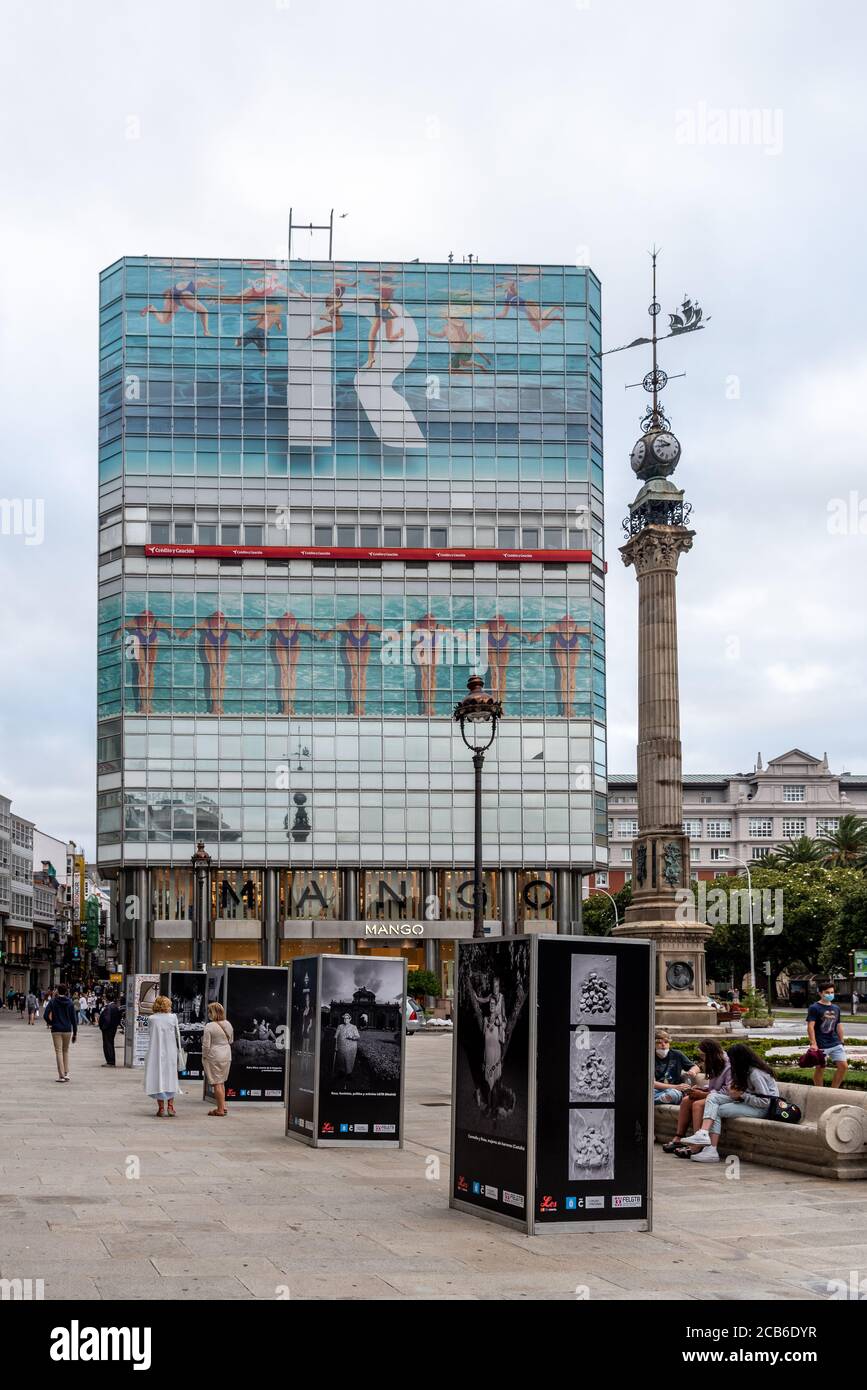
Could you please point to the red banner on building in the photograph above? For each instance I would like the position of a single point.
(342, 552)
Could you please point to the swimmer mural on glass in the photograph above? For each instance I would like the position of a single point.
(512, 298)
(285, 647)
(413, 647)
(565, 649)
(184, 295)
(141, 645)
(499, 632)
(392, 344)
(356, 632)
(264, 319)
(463, 355)
(215, 633)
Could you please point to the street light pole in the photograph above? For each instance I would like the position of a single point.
(201, 863)
(478, 715)
(478, 877)
(746, 866)
(613, 903)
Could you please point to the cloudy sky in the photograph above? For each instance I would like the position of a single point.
(731, 134)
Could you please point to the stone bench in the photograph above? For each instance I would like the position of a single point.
(830, 1141)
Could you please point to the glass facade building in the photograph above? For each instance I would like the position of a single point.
(329, 491)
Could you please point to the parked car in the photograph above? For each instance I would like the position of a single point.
(414, 1016)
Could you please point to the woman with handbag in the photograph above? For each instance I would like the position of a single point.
(217, 1055)
(717, 1069)
(752, 1091)
(163, 1057)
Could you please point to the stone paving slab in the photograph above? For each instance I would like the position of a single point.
(239, 1211)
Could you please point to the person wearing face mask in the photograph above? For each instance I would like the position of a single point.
(668, 1068)
(825, 1032)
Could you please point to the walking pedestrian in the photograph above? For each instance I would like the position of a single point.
(60, 1018)
(22, 1004)
(32, 1008)
(217, 1055)
(161, 1063)
(856, 1000)
(109, 1022)
(825, 1032)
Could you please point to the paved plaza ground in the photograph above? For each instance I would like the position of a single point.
(230, 1209)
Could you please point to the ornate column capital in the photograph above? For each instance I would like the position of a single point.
(656, 548)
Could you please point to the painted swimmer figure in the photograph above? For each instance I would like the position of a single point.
(285, 648)
(463, 357)
(141, 645)
(538, 319)
(184, 295)
(265, 318)
(331, 317)
(565, 648)
(260, 288)
(499, 635)
(356, 654)
(214, 652)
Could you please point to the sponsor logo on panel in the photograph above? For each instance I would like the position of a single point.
(327, 1127)
(384, 1129)
(547, 1204)
(633, 1200)
(492, 1192)
(513, 1199)
(463, 1185)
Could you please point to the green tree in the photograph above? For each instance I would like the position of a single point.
(422, 982)
(847, 845)
(849, 932)
(814, 899)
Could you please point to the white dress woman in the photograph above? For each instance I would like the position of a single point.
(161, 1063)
(345, 1047)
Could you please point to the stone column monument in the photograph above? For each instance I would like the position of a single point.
(660, 909)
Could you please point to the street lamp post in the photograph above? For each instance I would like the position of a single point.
(201, 863)
(612, 902)
(746, 866)
(478, 715)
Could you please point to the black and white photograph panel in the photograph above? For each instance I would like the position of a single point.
(591, 1070)
(493, 986)
(188, 997)
(362, 1017)
(591, 1145)
(256, 1006)
(594, 989)
(303, 1009)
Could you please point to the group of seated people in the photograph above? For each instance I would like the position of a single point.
(737, 1082)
